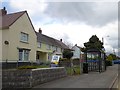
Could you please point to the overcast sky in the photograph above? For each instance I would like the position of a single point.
(75, 22)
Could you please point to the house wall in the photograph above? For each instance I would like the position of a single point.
(43, 52)
(43, 48)
(76, 52)
(5, 48)
(0, 45)
(42, 56)
(58, 52)
(13, 36)
(46, 54)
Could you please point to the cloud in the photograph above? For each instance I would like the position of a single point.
(34, 7)
(91, 13)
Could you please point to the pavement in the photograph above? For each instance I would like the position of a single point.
(90, 80)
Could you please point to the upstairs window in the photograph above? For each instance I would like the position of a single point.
(48, 47)
(56, 48)
(24, 37)
(39, 45)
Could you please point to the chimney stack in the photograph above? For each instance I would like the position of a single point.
(40, 31)
(61, 40)
(3, 12)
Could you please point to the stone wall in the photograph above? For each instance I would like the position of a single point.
(31, 77)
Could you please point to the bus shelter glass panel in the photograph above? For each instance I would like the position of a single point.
(93, 61)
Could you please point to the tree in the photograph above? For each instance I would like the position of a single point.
(93, 43)
(67, 54)
(112, 56)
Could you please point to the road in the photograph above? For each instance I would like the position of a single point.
(115, 85)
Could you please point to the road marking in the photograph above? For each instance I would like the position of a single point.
(113, 82)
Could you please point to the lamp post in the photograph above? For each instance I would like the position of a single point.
(104, 56)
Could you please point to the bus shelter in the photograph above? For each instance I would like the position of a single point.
(94, 61)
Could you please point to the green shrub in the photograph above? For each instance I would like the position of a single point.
(108, 63)
(73, 70)
(27, 67)
(63, 59)
(32, 67)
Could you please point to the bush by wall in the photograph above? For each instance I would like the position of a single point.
(64, 62)
(108, 63)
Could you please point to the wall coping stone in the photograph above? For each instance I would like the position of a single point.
(47, 68)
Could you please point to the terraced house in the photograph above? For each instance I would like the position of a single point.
(21, 43)
(48, 46)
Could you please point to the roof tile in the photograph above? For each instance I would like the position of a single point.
(8, 19)
(51, 41)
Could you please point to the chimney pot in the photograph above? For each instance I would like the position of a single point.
(61, 40)
(3, 11)
(40, 31)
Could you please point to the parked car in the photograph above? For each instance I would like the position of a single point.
(116, 61)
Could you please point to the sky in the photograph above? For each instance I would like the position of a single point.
(73, 21)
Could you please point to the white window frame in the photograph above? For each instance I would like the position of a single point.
(24, 52)
(24, 37)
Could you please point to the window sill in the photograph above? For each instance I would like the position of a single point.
(24, 42)
(24, 61)
(48, 49)
(38, 47)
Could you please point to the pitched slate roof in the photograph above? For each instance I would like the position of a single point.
(62, 44)
(77, 46)
(49, 40)
(9, 19)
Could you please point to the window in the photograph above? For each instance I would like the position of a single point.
(61, 50)
(48, 47)
(23, 55)
(53, 48)
(56, 49)
(39, 44)
(49, 56)
(24, 37)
